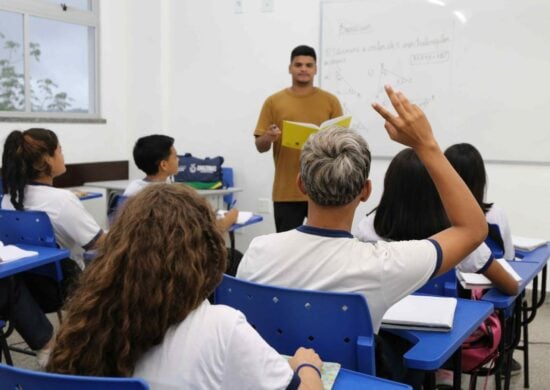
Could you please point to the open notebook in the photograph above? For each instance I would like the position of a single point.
(528, 244)
(11, 252)
(473, 280)
(421, 312)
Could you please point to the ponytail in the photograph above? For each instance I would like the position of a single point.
(23, 161)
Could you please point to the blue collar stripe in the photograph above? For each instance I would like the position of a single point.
(324, 232)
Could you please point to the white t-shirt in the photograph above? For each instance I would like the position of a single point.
(477, 261)
(332, 260)
(497, 216)
(213, 348)
(73, 226)
(137, 185)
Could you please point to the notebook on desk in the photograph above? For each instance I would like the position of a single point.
(11, 252)
(528, 244)
(421, 312)
(470, 280)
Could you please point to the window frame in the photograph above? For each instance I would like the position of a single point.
(52, 11)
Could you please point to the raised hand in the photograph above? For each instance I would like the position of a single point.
(410, 126)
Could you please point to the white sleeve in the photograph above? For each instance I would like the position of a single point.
(75, 222)
(498, 217)
(408, 265)
(365, 231)
(477, 261)
(251, 363)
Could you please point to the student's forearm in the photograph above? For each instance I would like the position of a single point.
(309, 380)
(468, 224)
(459, 203)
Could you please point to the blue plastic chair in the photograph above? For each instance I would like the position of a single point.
(337, 325)
(228, 181)
(31, 228)
(18, 378)
(445, 285)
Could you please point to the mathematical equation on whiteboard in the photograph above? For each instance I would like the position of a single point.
(357, 63)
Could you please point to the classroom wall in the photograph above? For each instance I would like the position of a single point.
(199, 71)
(87, 142)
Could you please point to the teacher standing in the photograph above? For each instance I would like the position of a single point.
(301, 102)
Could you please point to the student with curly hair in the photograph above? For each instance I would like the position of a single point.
(142, 310)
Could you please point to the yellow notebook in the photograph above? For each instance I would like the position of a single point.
(295, 134)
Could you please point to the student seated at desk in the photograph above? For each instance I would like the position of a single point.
(410, 209)
(334, 168)
(30, 161)
(141, 308)
(467, 161)
(156, 156)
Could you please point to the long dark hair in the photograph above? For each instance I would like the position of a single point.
(162, 257)
(467, 161)
(23, 161)
(410, 207)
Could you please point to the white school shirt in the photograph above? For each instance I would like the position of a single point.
(136, 186)
(478, 261)
(74, 228)
(497, 216)
(213, 348)
(333, 260)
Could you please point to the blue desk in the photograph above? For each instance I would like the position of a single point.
(516, 318)
(254, 219)
(352, 380)
(232, 270)
(528, 271)
(432, 349)
(45, 256)
(90, 195)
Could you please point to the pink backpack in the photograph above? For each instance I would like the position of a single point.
(481, 346)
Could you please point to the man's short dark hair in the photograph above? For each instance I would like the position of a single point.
(303, 50)
(149, 151)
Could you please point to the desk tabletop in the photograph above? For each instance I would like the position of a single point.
(538, 255)
(120, 185)
(432, 349)
(527, 270)
(254, 219)
(351, 380)
(45, 256)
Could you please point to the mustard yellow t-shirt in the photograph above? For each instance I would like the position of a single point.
(316, 107)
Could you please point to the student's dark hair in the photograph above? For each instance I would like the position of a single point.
(23, 161)
(410, 207)
(162, 258)
(149, 151)
(303, 50)
(467, 161)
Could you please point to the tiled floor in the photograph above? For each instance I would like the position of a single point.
(539, 355)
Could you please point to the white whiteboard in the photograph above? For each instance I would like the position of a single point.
(480, 69)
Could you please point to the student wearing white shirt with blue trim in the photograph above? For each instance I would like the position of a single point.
(141, 308)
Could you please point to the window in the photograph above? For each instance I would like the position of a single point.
(48, 59)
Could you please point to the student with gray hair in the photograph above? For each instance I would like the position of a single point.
(323, 255)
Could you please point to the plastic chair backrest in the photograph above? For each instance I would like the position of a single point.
(18, 378)
(494, 241)
(337, 325)
(26, 227)
(228, 181)
(444, 285)
(31, 228)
